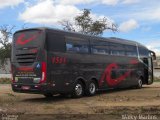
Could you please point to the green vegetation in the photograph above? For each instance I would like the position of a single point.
(10, 95)
(5, 81)
(5, 42)
(86, 24)
(156, 79)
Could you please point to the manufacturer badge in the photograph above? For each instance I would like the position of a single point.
(38, 65)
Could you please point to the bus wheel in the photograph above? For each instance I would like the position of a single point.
(92, 88)
(48, 95)
(139, 85)
(78, 90)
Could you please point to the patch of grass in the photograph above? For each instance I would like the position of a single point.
(10, 94)
(5, 81)
(156, 79)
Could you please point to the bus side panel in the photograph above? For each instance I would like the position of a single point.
(60, 73)
(67, 67)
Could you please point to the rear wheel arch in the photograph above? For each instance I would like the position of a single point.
(142, 78)
(81, 79)
(79, 88)
(140, 82)
(92, 87)
(95, 80)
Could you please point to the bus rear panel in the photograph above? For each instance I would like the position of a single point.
(28, 61)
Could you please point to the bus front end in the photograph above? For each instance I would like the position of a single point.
(28, 61)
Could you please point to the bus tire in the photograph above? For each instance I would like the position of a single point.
(48, 95)
(140, 83)
(92, 87)
(78, 90)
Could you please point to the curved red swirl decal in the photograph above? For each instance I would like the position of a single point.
(107, 74)
(22, 41)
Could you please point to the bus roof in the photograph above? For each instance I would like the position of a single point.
(110, 39)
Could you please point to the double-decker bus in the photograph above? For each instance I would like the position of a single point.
(49, 61)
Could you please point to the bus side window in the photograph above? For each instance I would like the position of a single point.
(99, 47)
(143, 52)
(117, 49)
(77, 47)
(70, 47)
(131, 50)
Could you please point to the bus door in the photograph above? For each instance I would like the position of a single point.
(148, 70)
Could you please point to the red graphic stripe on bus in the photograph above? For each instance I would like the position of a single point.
(22, 41)
(134, 62)
(107, 74)
(25, 68)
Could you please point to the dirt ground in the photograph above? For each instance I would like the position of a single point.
(127, 104)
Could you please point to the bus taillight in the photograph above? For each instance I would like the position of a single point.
(44, 66)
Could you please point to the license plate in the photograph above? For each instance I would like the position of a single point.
(25, 87)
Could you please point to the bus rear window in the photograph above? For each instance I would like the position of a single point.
(28, 39)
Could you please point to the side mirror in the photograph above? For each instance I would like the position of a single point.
(153, 55)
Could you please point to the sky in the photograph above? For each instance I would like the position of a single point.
(137, 20)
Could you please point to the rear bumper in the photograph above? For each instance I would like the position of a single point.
(37, 89)
(40, 88)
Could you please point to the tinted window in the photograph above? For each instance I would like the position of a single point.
(27, 39)
(131, 50)
(143, 52)
(77, 46)
(117, 49)
(99, 47)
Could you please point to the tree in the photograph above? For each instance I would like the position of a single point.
(85, 24)
(5, 49)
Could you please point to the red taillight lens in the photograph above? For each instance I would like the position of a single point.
(44, 71)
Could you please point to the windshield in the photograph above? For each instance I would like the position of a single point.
(28, 39)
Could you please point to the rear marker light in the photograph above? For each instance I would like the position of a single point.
(36, 86)
(43, 76)
(44, 68)
(15, 79)
(67, 84)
